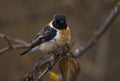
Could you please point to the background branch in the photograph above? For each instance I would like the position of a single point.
(100, 32)
(19, 43)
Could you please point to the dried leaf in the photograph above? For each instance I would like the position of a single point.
(41, 65)
(69, 68)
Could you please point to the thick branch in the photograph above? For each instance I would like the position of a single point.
(100, 32)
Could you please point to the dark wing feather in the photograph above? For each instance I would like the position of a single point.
(45, 35)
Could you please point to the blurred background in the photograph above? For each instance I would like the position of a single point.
(23, 19)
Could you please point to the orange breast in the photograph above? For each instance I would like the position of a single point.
(65, 36)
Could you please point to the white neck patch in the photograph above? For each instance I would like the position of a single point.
(50, 24)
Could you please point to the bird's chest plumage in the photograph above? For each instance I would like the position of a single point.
(48, 46)
(62, 37)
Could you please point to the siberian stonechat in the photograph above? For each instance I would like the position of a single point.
(55, 35)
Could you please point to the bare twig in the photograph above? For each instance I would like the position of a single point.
(19, 43)
(45, 71)
(100, 32)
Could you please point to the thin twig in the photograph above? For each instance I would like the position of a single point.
(20, 43)
(17, 46)
(9, 42)
(13, 39)
(100, 32)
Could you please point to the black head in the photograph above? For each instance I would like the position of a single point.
(59, 21)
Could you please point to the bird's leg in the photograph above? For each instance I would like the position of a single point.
(62, 51)
(55, 54)
(66, 48)
(49, 65)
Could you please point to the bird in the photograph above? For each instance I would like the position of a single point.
(53, 36)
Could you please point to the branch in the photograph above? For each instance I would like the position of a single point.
(100, 32)
(39, 71)
(49, 68)
(19, 43)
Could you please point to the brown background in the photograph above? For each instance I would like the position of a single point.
(24, 18)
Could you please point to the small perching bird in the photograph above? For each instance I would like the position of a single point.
(55, 35)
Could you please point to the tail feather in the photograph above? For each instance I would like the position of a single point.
(31, 48)
(23, 53)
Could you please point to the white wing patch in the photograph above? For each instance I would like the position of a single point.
(57, 35)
